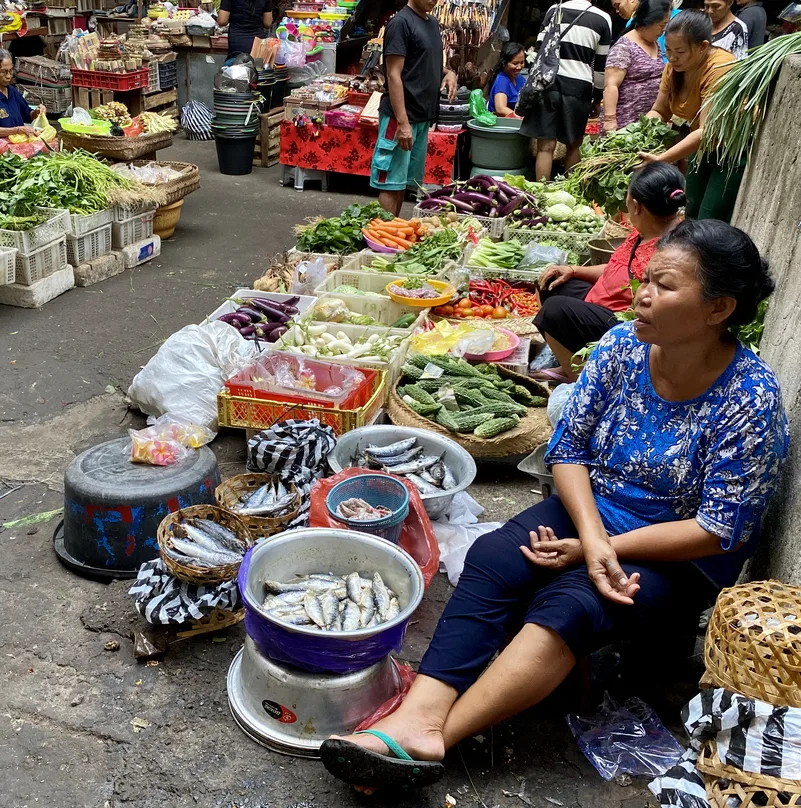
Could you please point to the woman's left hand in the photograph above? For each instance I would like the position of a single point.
(548, 551)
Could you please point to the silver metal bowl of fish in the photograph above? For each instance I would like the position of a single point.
(346, 585)
(437, 466)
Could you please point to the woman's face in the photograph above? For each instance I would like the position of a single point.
(650, 33)
(513, 67)
(669, 306)
(6, 72)
(625, 8)
(718, 10)
(682, 55)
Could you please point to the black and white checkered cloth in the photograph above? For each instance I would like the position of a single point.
(164, 600)
(751, 735)
(297, 451)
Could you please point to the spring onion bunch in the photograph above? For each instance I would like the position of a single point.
(738, 105)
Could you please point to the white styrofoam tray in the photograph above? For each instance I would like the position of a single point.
(228, 306)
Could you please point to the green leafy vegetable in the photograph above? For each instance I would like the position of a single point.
(342, 234)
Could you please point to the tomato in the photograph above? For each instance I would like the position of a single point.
(500, 313)
(457, 312)
(439, 310)
(467, 313)
(447, 311)
(465, 303)
(487, 310)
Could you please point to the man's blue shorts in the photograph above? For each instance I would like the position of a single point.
(393, 168)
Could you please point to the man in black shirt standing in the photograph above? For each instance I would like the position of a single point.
(414, 76)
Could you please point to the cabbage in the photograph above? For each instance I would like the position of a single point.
(583, 212)
(560, 198)
(559, 213)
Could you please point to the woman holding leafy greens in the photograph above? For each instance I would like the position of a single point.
(579, 304)
(693, 71)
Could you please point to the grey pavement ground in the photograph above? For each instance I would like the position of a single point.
(67, 705)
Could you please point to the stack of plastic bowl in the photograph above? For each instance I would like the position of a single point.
(235, 126)
(280, 88)
(265, 85)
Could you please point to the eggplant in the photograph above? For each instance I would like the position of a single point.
(433, 204)
(266, 307)
(502, 197)
(477, 198)
(512, 205)
(291, 310)
(276, 334)
(248, 331)
(255, 316)
(460, 205)
(274, 314)
(446, 189)
(229, 318)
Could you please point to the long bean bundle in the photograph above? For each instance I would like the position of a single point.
(738, 104)
(77, 181)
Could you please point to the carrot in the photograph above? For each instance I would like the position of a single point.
(397, 242)
(398, 231)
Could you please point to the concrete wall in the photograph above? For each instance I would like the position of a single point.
(769, 210)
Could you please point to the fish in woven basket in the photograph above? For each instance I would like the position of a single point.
(204, 544)
(270, 500)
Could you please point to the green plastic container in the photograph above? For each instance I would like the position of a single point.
(496, 147)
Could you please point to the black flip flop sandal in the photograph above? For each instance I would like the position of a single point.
(358, 766)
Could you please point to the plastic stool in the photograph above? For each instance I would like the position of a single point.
(300, 176)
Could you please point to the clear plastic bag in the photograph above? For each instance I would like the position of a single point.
(625, 739)
(557, 401)
(308, 276)
(167, 440)
(478, 109)
(331, 310)
(538, 257)
(476, 343)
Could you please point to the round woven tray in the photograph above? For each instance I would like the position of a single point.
(710, 764)
(205, 576)
(753, 642)
(533, 429)
(723, 792)
(176, 189)
(117, 148)
(228, 493)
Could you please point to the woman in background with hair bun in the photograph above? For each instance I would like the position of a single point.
(579, 304)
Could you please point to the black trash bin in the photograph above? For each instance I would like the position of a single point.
(235, 152)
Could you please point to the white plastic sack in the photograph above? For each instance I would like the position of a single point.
(186, 374)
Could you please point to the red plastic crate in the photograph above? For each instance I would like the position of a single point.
(102, 80)
(358, 99)
(326, 373)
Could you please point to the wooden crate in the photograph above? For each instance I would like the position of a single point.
(88, 98)
(268, 140)
(155, 101)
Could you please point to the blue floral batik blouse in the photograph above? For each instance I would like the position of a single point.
(714, 458)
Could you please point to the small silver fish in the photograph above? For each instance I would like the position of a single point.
(334, 580)
(421, 485)
(294, 619)
(424, 475)
(415, 466)
(392, 449)
(351, 617)
(227, 538)
(367, 607)
(330, 606)
(301, 585)
(284, 599)
(437, 471)
(267, 507)
(394, 609)
(382, 596)
(448, 480)
(189, 548)
(354, 586)
(336, 623)
(396, 460)
(313, 607)
(184, 559)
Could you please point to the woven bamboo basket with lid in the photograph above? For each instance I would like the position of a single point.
(713, 767)
(533, 429)
(753, 642)
(725, 792)
(227, 495)
(117, 148)
(202, 576)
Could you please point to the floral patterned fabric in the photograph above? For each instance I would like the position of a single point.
(350, 151)
(714, 458)
(638, 90)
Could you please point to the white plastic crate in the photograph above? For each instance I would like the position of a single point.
(80, 225)
(365, 258)
(227, 307)
(26, 241)
(152, 77)
(134, 229)
(89, 246)
(494, 226)
(384, 310)
(570, 242)
(42, 262)
(8, 268)
(122, 213)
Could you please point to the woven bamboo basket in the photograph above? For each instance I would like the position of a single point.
(179, 187)
(753, 642)
(723, 792)
(615, 230)
(533, 429)
(118, 148)
(710, 764)
(228, 493)
(201, 576)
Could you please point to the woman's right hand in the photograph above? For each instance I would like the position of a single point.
(555, 276)
(607, 574)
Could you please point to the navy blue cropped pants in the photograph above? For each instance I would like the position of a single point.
(500, 589)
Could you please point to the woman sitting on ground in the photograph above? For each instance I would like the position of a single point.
(579, 303)
(665, 457)
(505, 82)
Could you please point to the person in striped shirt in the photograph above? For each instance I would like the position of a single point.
(561, 112)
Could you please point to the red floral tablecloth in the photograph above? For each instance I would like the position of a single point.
(350, 151)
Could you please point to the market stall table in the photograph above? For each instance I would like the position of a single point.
(350, 151)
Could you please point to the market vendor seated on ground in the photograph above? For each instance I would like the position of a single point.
(579, 303)
(16, 113)
(665, 457)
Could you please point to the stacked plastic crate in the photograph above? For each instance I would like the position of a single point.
(44, 81)
(132, 233)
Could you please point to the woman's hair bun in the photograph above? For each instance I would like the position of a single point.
(659, 187)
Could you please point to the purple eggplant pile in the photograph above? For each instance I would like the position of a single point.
(481, 195)
(262, 318)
